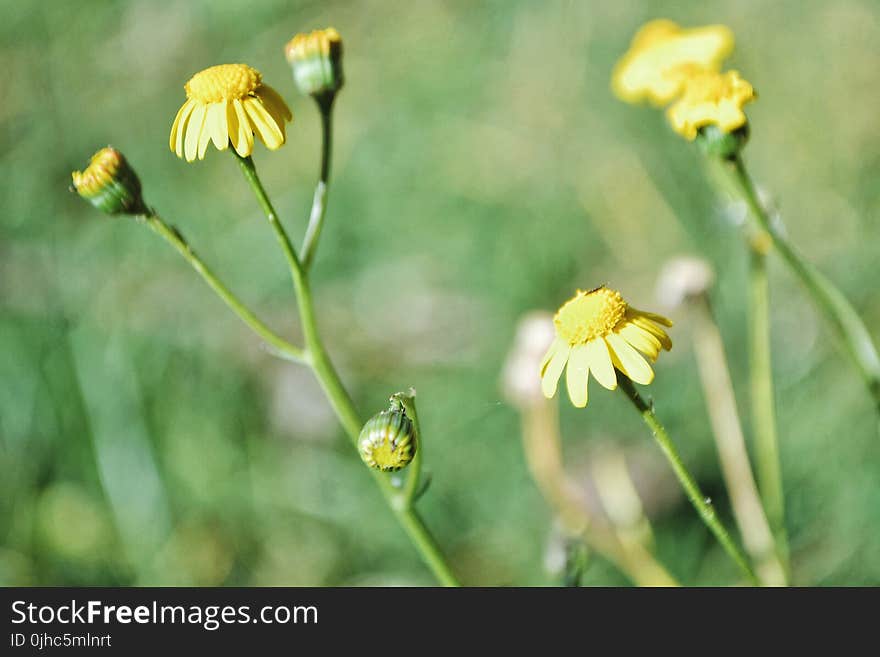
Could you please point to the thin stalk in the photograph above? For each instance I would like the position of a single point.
(171, 235)
(319, 202)
(763, 407)
(727, 430)
(427, 545)
(830, 301)
(318, 359)
(250, 174)
(701, 503)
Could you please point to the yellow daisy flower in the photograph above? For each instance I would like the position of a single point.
(228, 103)
(596, 332)
(655, 67)
(711, 98)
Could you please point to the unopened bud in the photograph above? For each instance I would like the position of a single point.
(110, 184)
(388, 442)
(316, 60)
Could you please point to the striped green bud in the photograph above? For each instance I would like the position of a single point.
(388, 441)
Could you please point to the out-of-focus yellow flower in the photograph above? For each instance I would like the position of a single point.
(596, 332)
(661, 56)
(110, 184)
(711, 98)
(316, 61)
(228, 103)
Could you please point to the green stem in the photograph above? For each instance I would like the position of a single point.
(701, 503)
(424, 541)
(763, 407)
(319, 360)
(831, 302)
(171, 235)
(250, 174)
(319, 202)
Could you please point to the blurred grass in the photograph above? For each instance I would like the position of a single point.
(482, 169)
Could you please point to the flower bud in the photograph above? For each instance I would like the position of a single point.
(110, 184)
(388, 442)
(316, 60)
(725, 145)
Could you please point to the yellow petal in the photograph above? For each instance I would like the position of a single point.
(640, 339)
(600, 363)
(553, 370)
(628, 360)
(264, 125)
(653, 329)
(277, 109)
(577, 375)
(186, 108)
(217, 125)
(660, 319)
(205, 133)
(193, 131)
(275, 103)
(181, 123)
(232, 123)
(243, 136)
(556, 345)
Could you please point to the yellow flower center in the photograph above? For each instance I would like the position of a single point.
(589, 315)
(391, 456)
(223, 82)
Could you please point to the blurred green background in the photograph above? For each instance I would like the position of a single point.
(482, 170)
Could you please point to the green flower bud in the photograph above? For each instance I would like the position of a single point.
(717, 143)
(110, 184)
(388, 441)
(316, 60)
